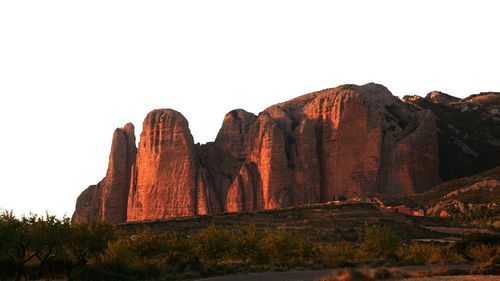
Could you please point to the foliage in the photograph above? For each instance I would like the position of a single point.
(245, 245)
(336, 255)
(428, 253)
(380, 243)
(483, 253)
(476, 239)
(284, 247)
(90, 240)
(147, 254)
(49, 246)
(211, 244)
(46, 247)
(29, 238)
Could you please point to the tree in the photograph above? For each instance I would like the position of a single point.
(379, 243)
(51, 238)
(19, 240)
(90, 240)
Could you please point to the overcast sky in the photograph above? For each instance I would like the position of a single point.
(73, 71)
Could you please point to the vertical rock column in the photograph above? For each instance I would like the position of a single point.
(164, 181)
(108, 199)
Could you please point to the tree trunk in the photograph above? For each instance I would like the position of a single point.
(19, 272)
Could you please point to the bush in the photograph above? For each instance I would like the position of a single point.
(483, 253)
(90, 240)
(476, 239)
(245, 245)
(426, 253)
(211, 244)
(379, 243)
(149, 254)
(96, 273)
(283, 247)
(336, 255)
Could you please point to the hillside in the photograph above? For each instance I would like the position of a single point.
(475, 197)
(468, 131)
(322, 223)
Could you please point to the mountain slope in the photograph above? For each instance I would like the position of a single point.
(468, 131)
(343, 142)
(475, 197)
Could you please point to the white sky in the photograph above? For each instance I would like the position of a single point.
(72, 71)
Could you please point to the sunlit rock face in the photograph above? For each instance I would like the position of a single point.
(342, 142)
(348, 141)
(168, 180)
(108, 199)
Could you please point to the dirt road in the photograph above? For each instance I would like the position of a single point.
(307, 275)
(311, 275)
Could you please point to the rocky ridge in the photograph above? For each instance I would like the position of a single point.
(343, 142)
(108, 199)
(468, 131)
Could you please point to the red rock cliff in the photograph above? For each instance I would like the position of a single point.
(108, 199)
(167, 180)
(342, 142)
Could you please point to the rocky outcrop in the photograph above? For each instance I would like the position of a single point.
(88, 205)
(441, 98)
(337, 143)
(342, 142)
(108, 199)
(468, 131)
(167, 180)
(474, 197)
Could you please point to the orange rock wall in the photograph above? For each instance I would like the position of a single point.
(343, 142)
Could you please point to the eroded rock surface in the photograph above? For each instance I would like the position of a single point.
(108, 199)
(468, 131)
(343, 142)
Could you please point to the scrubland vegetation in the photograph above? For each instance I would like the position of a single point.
(37, 247)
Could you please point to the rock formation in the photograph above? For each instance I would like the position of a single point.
(343, 142)
(108, 199)
(468, 131)
(168, 180)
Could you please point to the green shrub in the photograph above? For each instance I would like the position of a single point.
(211, 244)
(245, 245)
(284, 247)
(149, 254)
(90, 240)
(420, 253)
(426, 253)
(379, 243)
(336, 255)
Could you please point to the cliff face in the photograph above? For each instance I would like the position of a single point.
(108, 199)
(468, 131)
(168, 180)
(343, 142)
